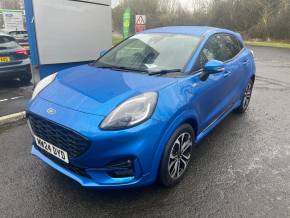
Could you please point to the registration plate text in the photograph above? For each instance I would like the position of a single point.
(4, 59)
(51, 149)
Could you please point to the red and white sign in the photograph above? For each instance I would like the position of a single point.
(140, 23)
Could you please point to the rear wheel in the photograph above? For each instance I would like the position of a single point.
(246, 98)
(177, 156)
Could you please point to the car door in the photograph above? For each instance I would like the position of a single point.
(212, 95)
(235, 61)
(244, 58)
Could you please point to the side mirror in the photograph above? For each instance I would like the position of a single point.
(212, 67)
(102, 53)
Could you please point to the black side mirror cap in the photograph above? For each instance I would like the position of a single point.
(204, 76)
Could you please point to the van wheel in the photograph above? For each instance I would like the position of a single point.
(177, 156)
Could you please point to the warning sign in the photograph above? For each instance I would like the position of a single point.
(140, 20)
(140, 23)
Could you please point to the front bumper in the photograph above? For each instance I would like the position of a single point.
(138, 144)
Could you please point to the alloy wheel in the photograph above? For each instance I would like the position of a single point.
(180, 155)
(247, 95)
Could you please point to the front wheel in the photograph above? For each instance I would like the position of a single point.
(177, 156)
(246, 98)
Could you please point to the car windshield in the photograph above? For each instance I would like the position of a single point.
(7, 42)
(151, 53)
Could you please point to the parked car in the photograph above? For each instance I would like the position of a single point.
(21, 36)
(133, 116)
(14, 60)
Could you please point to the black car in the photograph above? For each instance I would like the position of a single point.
(14, 60)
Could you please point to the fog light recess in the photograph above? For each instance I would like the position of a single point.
(121, 168)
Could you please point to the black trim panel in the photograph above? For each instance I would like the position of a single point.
(218, 118)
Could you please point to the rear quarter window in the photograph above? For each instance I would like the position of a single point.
(233, 45)
(7, 42)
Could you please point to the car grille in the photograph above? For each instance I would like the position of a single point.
(71, 142)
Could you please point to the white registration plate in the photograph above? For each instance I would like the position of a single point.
(51, 149)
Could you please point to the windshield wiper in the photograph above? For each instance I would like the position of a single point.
(120, 68)
(129, 69)
(164, 72)
(113, 68)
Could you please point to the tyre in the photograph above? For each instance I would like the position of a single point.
(246, 98)
(177, 156)
(26, 77)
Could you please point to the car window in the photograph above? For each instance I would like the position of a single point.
(152, 52)
(231, 45)
(17, 32)
(221, 47)
(7, 42)
(211, 51)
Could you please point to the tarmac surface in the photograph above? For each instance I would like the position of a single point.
(242, 169)
(13, 96)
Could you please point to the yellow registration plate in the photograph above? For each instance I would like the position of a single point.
(5, 59)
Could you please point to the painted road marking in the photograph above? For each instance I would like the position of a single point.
(13, 98)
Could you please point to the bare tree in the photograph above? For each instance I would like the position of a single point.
(11, 4)
(264, 19)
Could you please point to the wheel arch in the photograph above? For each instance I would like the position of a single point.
(253, 78)
(193, 123)
(185, 117)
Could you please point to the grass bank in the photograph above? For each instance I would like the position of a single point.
(269, 44)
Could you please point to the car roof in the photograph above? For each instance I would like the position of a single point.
(189, 30)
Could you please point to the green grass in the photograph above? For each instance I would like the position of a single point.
(269, 44)
(117, 39)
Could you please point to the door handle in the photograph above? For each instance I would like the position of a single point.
(245, 62)
(227, 73)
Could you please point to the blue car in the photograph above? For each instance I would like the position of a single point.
(133, 116)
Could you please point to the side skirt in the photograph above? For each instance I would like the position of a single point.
(220, 118)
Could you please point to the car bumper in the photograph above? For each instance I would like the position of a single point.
(15, 70)
(138, 144)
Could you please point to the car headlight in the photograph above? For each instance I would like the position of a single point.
(132, 112)
(42, 84)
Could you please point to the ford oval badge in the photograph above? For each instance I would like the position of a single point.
(51, 111)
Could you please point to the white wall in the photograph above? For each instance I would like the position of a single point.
(71, 31)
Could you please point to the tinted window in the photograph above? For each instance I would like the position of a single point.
(211, 51)
(232, 45)
(220, 47)
(7, 42)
